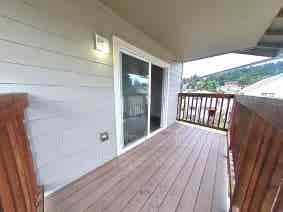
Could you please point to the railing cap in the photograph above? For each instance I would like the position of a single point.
(268, 109)
(219, 95)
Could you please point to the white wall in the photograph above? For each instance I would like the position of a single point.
(46, 50)
(175, 78)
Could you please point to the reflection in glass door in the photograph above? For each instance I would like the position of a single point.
(135, 92)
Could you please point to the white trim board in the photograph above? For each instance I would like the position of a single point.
(119, 46)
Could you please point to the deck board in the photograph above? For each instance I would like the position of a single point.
(220, 191)
(176, 170)
(206, 189)
(191, 188)
(146, 175)
(149, 188)
(175, 191)
(108, 168)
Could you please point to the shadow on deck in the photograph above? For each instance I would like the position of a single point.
(182, 168)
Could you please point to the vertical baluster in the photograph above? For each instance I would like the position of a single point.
(196, 109)
(226, 113)
(192, 108)
(200, 110)
(210, 105)
(183, 106)
(204, 110)
(178, 108)
(215, 111)
(220, 113)
(188, 107)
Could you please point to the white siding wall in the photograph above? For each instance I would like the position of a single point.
(46, 51)
(175, 78)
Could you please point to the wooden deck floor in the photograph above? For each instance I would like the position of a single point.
(182, 168)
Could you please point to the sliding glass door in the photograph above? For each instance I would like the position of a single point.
(135, 94)
(141, 94)
(156, 93)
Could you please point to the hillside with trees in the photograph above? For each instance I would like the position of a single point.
(245, 76)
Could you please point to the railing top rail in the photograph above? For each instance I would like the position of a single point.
(222, 95)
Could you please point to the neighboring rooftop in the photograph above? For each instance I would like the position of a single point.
(269, 87)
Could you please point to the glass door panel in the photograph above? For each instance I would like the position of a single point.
(156, 97)
(135, 92)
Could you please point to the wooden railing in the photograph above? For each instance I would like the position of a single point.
(256, 142)
(19, 191)
(206, 109)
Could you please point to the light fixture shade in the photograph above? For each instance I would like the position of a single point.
(101, 44)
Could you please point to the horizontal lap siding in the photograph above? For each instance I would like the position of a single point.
(65, 115)
(46, 50)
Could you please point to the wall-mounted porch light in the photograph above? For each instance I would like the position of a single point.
(101, 44)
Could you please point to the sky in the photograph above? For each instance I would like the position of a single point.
(218, 63)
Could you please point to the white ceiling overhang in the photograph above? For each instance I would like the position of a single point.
(195, 29)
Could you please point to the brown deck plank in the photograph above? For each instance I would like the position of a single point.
(220, 194)
(156, 199)
(205, 195)
(191, 188)
(180, 169)
(172, 199)
(134, 177)
(115, 164)
(124, 198)
(147, 190)
(98, 187)
(132, 183)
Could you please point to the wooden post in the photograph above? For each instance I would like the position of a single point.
(19, 190)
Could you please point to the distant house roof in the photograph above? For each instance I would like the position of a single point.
(202, 91)
(271, 87)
